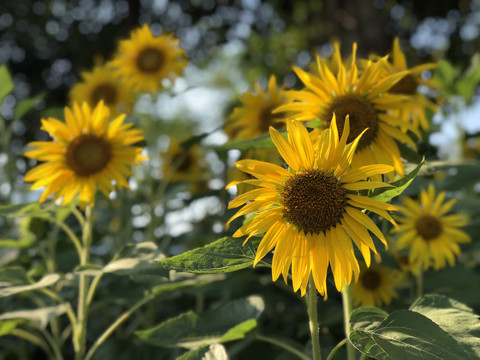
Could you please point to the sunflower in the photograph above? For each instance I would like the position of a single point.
(414, 110)
(101, 84)
(364, 97)
(145, 60)
(432, 236)
(310, 212)
(180, 164)
(254, 117)
(376, 286)
(88, 151)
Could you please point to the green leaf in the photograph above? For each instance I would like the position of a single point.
(261, 142)
(207, 352)
(40, 316)
(365, 318)
(6, 82)
(17, 243)
(455, 318)
(230, 321)
(386, 194)
(224, 255)
(37, 210)
(445, 73)
(7, 326)
(47, 280)
(13, 275)
(26, 105)
(406, 335)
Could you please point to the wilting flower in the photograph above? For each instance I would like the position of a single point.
(310, 212)
(364, 97)
(101, 84)
(376, 286)
(432, 236)
(145, 60)
(89, 151)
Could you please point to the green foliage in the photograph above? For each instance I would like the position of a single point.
(46, 281)
(435, 327)
(227, 322)
(261, 142)
(24, 106)
(40, 316)
(6, 82)
(224, 255)
(214, 351)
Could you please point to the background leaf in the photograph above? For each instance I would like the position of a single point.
(40, 316)
(207, 352)
(227, 322)
(47, 280)
(6, 82)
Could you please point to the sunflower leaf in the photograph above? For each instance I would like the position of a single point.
(261, 142)
(214, 351)
(24, 106)
(40, 316)
(46, 281)
(6, 82)
(224, 255)
(405, 334)
(386, 194)
(455, 318)
(227, 322)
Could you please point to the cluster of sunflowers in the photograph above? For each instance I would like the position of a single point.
(310, 211)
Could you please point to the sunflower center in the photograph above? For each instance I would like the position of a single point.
(406, 85)
(267, 119)
(428, 227)
(182, 162)
(150, 60)
(371, 280)
(362, 115)
(313, 201)
(88, 154)
(105, 92)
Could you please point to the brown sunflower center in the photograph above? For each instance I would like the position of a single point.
(88, 154)
(182, 162)
(267, 118)
(150, 60)
(105, 92)
(428, 227)
(313, 201)
(371, 280)
(362, 115)
(406, 85)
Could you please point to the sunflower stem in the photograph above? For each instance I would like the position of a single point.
(335, 349)
(420, 282)
(347, 310)
(283, 345)
(313, 318)
(82, 313)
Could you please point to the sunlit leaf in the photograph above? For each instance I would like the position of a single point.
(46, 281)
(207, 352)
(40, 316)
(261, 142)
(7, 326)
(6, 82)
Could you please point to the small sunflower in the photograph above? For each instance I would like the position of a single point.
(180, 164)
(364, 97)
(254, 117)
(376, 286)
(414, 110)
(310, 212)
(432, 236)
(101, 84)
(145, 60)
(89, 150)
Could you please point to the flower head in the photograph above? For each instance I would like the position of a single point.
(310, 212)
(432, 236)
(376, 286)
(101, 84)
(364, 97)
(89, 151)
(145, 60)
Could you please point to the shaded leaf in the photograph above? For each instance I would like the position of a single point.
(7, 326)
(261, 142)
(455, 318)
(40, 316)
(230, 321)
(6, 82)
(25, 105)
(47, 280)
(406, 335)
(224, 255)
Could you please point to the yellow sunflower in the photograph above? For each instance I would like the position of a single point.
(254, 117)
(310, 212)
(145, 60)
(180, 164)
(101, 84)
(432, 236)
(414, 110)
(89, 150)
(376, 286)
(364, 97)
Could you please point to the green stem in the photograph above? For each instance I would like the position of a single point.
(313, 318)
(420, 282)
(283, 345)
(335, 349)
(82, 312)
(109, 331)
(347, 310)
(53, 345)
(34, 339)
(76, 242)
